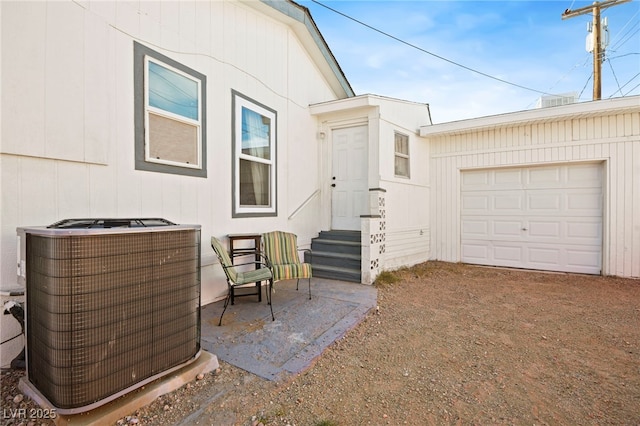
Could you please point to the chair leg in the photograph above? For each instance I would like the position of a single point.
(298, 284)
(226, 303)
(269, 288)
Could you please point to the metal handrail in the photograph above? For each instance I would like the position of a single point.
(304, 204)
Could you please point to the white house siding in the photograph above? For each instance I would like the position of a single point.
(407, 227)
(407, 199)
(605, 131)
(68, 115)
(406, 222)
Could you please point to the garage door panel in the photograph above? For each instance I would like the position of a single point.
(507, 253)
(538, 230)
(478, 179)
(544, 177)
(550, 199)
(584, 230)
(495, 180)
(512, 178)
(547, 218)
(584, 176)
(493, 202)
(507, 229)
(478, 204)
(548, 203)
(577, 202)
(492, 228)
(476, 253)
(584, 257)
(507, 202)
(476, 228)
(585, 202)
(543, 257)
(545, 229)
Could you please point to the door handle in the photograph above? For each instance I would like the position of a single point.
(333, 185)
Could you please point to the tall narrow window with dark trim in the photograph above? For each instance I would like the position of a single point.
(170, 115)
(401, 160)
(254, 158)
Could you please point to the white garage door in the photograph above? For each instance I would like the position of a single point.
(547, 218)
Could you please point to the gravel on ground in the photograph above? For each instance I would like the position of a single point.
(447, 344)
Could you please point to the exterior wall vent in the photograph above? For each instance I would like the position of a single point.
(111, 304)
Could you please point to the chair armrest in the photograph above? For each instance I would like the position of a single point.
(264, 260)
(255, 262)
(304, 250)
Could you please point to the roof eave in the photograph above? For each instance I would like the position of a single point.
(536, 116)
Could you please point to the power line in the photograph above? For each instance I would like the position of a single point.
(622, 56)
(634, 88)
(618, 38)
(615, 77)
(624, 85)
(585, 85)
(413, 46)
(578, 65)
(610, 60)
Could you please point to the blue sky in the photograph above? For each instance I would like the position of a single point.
(525, 43)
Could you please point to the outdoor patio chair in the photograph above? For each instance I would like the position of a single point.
(281, 248)
(262, 272)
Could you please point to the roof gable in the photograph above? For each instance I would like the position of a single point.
(299, 19)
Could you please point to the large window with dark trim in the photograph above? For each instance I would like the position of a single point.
(170, 115)
(254, 158)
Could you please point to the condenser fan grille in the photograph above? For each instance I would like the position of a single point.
(108, 311)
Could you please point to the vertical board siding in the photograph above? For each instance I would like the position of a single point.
(72, 154)
(635, 188)
(613, 140)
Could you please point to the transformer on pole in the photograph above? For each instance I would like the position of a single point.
(596, 38)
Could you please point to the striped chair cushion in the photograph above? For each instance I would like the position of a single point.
(282, 250)
(287, 272)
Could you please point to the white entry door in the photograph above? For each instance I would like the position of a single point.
(349, 196)
(547, 218)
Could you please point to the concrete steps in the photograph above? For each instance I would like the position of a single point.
(336, 255)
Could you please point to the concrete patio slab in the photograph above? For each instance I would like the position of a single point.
(302, 329)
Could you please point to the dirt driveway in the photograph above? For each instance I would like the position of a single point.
(456, 344)
(450, 344)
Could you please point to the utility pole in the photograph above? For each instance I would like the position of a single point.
(598, 50)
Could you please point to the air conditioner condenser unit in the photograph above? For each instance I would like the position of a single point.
(111, 304)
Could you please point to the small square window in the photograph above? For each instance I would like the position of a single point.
(254, 159)
(170, 115)
(401, 155)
